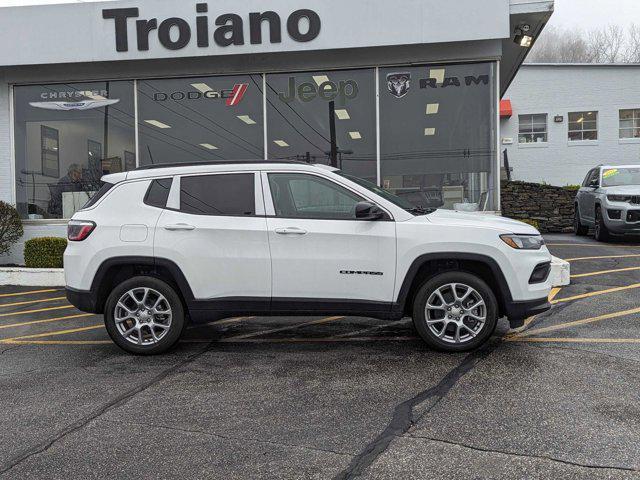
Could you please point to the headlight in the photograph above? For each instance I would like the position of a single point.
(523, 242)
(619, 198)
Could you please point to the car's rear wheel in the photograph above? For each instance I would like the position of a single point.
(601, 230)
(455, 312)
(578, 228)
(144, 315)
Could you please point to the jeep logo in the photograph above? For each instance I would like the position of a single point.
(306, 92)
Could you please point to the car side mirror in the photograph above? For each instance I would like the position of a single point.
(368, 211)
(594, 184)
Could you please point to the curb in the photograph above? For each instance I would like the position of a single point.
(32, 277)
(560, 272)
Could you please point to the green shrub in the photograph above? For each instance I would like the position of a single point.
(44, 252)
(10, 227)
(572, 188)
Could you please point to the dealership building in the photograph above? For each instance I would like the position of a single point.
(405, 97)
(561, 120)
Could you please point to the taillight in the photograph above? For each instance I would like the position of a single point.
(78, 230)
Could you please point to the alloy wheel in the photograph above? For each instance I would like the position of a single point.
(143, 316)
(456, 313)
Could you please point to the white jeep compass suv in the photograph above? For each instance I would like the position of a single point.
(165, 245)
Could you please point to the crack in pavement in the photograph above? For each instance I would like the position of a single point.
(249, 439)
(403, 419)
(113, 403)
(525, 455)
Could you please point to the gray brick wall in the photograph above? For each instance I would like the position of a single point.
(558, 90)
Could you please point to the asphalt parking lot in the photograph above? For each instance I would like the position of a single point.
(331, 397)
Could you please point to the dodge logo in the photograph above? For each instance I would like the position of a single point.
(399, 83)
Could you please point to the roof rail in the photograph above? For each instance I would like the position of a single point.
(223, 162)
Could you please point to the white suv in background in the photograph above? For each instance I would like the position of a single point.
(165, 245)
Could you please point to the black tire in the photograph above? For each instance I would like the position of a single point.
(420, 315)
(175, 326)
(578, 228)
(601, 231)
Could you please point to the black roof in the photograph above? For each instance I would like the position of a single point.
(229, 162)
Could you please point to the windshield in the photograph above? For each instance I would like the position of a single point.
(400, 202)
(613, 177)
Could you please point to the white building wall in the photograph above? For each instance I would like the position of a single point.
(558, 90)
(6, 189)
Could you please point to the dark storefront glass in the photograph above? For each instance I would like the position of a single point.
(317, 116)
(437, 128)
(200, 119)
(66, 137)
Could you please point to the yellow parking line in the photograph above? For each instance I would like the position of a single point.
(36, 311)
(554, 291)
(47, 320)
(31, 292)
(584, 321)
(596, 293)
(576, 340)
(281, 329)
(223, 322)
(600, 257)
(59, 342)
(51, 334)
(41, 300)
(603, 272)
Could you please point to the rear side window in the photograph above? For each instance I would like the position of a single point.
(102, 191)
(221, 194)
(158, 192)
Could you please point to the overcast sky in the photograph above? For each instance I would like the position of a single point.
(586, 14)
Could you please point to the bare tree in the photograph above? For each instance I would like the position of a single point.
(632, 51)
(609, 44)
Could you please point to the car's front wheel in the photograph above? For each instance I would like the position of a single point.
(455, 311)
(144, 315)
(601, 232)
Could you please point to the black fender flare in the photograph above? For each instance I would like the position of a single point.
(407, 283)
(152, 263)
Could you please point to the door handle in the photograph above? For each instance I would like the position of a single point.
(179, 226)
(290, 231)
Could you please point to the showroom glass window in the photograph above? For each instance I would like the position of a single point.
(203, 119)
(532, 128)
(630, 123)
(324, 117)
(438, 134)
(66, 137)
(583, 126)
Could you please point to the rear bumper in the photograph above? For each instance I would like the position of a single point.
(516, 312)
(83, 300)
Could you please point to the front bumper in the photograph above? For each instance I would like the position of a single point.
(622, 217)
(517, 312)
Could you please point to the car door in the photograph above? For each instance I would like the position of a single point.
(319, 251)
(215, 231)
(588, 198)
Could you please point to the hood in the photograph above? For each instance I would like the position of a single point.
(505, 225)
(622, 190)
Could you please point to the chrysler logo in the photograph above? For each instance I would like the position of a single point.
(66, 106)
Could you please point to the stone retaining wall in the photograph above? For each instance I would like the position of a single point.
(548, 208)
